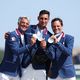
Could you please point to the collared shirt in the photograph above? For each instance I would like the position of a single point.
(22, 39)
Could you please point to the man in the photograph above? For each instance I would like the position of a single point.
(40, 62)
(60, 53)
(15, 48)
(37, 69)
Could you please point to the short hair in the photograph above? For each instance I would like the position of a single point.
(44, 12)
(57, 19)
(20, 18)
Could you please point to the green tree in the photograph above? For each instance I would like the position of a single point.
(1, 55)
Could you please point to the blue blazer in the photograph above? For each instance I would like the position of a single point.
(61, 57)
(14, 51)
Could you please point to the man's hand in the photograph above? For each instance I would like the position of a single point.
(43, 44)
(54, 38)
(33, 41)
(57, 39)
(6, 35)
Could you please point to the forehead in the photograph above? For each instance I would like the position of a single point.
(56, 22)
(24, 20)
(44, 16)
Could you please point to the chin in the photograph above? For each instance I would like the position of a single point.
(24, 30)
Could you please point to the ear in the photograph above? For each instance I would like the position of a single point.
(18, 23)
(38, 17)
(49, 18)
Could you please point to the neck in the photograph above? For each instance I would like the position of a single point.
(57, 33)
(41, 27)
(21, 32)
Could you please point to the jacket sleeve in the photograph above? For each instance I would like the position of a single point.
(50, 52)
(68, 45)
(66, 49)
(13, 43)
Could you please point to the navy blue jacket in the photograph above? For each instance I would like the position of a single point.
(61, 56)
(14, 51)
(38, 49)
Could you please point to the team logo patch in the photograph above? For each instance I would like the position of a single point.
(13, 39)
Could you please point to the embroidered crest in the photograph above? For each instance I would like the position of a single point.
(13, 39)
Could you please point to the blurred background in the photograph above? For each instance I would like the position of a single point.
(68, 10)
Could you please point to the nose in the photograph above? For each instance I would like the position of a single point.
(55, 27)
(43, 20)
(26, 24)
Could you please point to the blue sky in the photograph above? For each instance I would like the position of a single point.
(68, 10)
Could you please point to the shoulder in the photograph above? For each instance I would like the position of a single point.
(13, 33)
(33, 26)
(67, 36)
(12, 36)
(50, 33)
